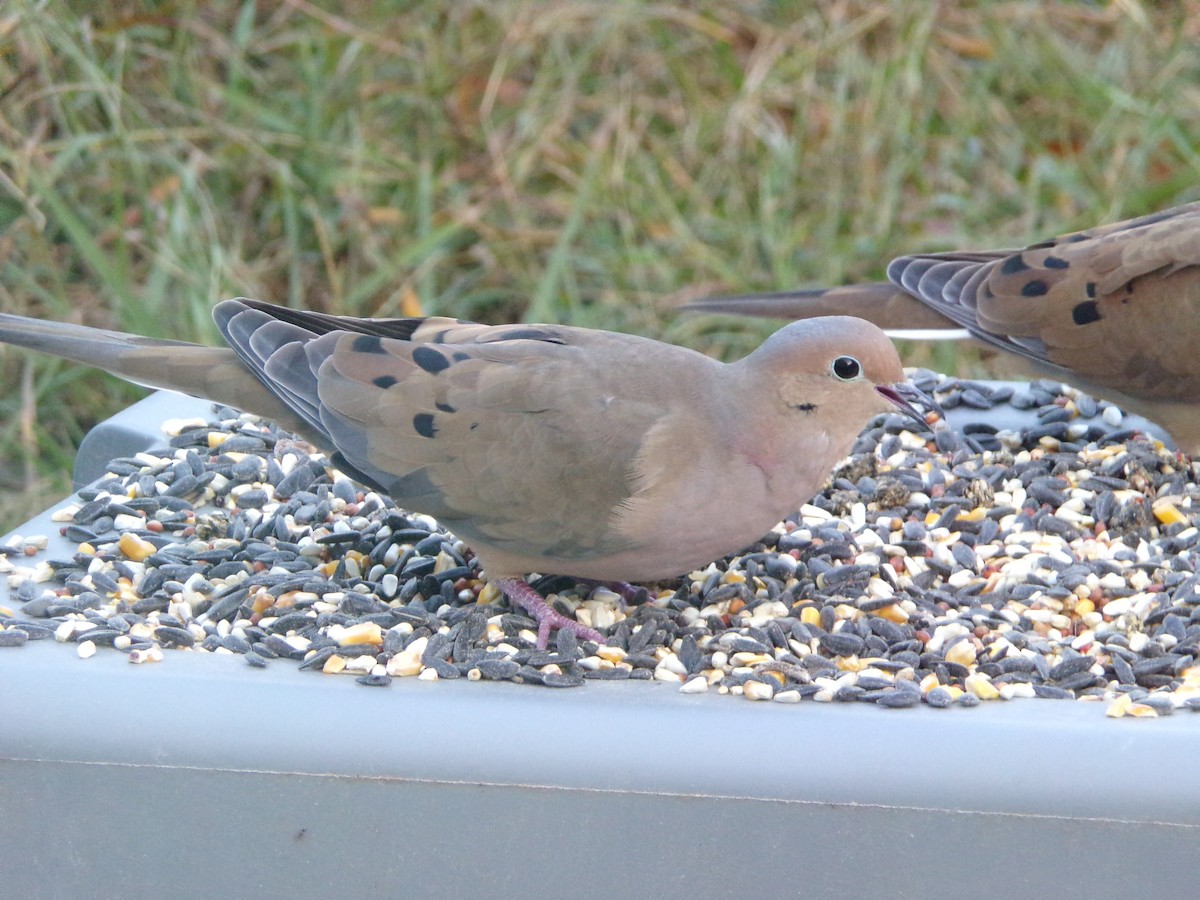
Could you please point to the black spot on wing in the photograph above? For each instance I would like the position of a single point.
(445, 407)
(423, 425)
(383, 381)
(461, 356)
(803, 407)
(430, 360)
(1085, 313)
(1013, 264)
(367, 343)
(1034, 288)
(531, 334)
(1091, 289)
(440, 337)
(1055, 262)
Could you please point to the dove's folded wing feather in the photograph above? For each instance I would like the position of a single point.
(474, 424)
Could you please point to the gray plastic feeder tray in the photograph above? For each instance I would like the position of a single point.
(200, 776)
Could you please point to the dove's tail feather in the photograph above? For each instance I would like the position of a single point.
(213, 373)
(882, 304)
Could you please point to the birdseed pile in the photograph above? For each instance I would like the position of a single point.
(1058, 561)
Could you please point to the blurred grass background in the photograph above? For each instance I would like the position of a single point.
(592, 163)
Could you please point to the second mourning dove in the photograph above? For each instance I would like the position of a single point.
(546, 448)
(1114, 310)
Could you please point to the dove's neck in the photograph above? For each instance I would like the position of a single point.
(793, 471)
(793, 448)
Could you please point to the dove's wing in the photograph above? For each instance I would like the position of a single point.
(521, 438)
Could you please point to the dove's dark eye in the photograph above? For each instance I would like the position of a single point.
(847, 368)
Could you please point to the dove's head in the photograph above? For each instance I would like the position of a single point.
(836, 366)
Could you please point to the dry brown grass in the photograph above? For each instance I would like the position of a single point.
(583, 162)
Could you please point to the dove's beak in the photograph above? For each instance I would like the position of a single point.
(907, 398)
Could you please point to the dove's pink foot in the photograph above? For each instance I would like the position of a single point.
(519, 592)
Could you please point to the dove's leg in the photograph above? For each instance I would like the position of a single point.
(519, 592)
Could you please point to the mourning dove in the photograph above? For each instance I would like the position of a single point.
(546, 448)
(1114, 310)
